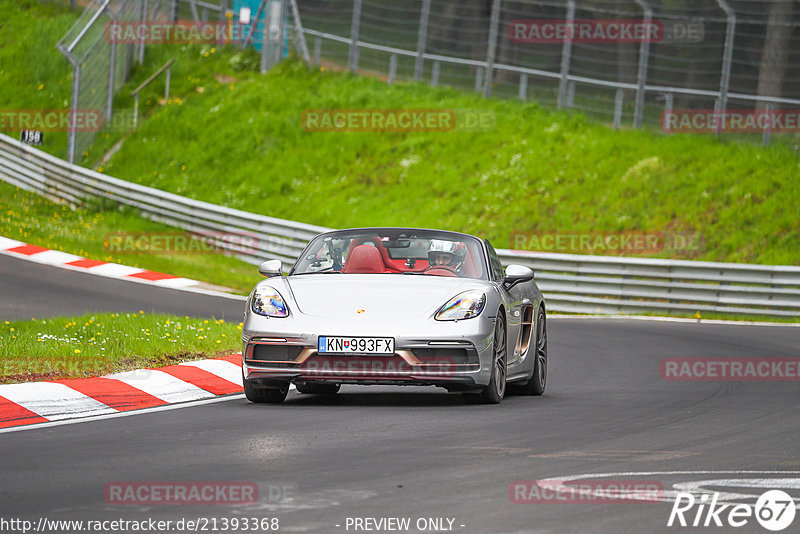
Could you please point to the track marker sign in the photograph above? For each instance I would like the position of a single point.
(31, 137)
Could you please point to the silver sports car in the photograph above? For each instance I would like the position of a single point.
(398, 306)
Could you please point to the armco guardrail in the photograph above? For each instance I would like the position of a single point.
(571, 283)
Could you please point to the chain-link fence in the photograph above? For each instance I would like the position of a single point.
(112, 34)
(100, 65)
(683, 65)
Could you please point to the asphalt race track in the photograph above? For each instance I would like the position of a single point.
(422, 454)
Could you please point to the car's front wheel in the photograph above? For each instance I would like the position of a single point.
(494, 392)
(265, 395)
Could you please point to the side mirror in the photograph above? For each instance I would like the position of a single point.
(271, 268)
(516, 274)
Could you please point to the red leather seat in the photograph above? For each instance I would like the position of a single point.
(364, 259)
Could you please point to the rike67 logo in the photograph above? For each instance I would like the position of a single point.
(774, 510)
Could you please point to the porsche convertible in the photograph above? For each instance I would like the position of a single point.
(395, 306)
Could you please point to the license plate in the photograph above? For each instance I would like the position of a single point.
(355, 345)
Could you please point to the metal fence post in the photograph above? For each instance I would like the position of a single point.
(644, 58)
(727, 58)
(223, 19)
(143, 12)
(523, 87)
(422, 38)
(437, 68)
(571, 94)
(73, 110)
(317, 50)
(491, 49)
(354, 29)
(566, 53)
(169, 76)
(392, 68)
(174, 11)
(478, 78)
(112, 60)
(768, 126)
(669, 100)
(618, 108)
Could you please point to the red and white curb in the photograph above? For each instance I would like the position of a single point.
(57, 258)
(41, 402)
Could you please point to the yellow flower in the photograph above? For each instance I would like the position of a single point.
(41, 86)
(205, 321)
(141, 311)
(77, 351)
(12, 329)
(99, 169)
(183, 167)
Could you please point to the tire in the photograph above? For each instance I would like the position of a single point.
(318, 389)
(496, 390)
(538, 380)
(265, 395)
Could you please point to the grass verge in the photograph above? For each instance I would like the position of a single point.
(103, 343)
(33, 219)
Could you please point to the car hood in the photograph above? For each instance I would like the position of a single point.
(375, 295)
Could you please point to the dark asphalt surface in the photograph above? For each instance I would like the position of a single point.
(29, 289)
(421, 453)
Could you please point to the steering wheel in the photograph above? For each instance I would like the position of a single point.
(445, 270)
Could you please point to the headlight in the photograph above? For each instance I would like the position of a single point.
(465, 305)
(267, 301)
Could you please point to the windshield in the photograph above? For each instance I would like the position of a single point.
(394, 251)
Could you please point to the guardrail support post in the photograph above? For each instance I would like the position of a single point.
(523, 87)
(422, 39)
(478, 79)
(566, 53)
(571, 95)
(355, 26)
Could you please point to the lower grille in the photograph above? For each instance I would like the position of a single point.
(276, 353)
(446, 356)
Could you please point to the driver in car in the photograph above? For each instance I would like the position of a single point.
(446, 255)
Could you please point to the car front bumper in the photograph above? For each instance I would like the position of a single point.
(455, 355)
